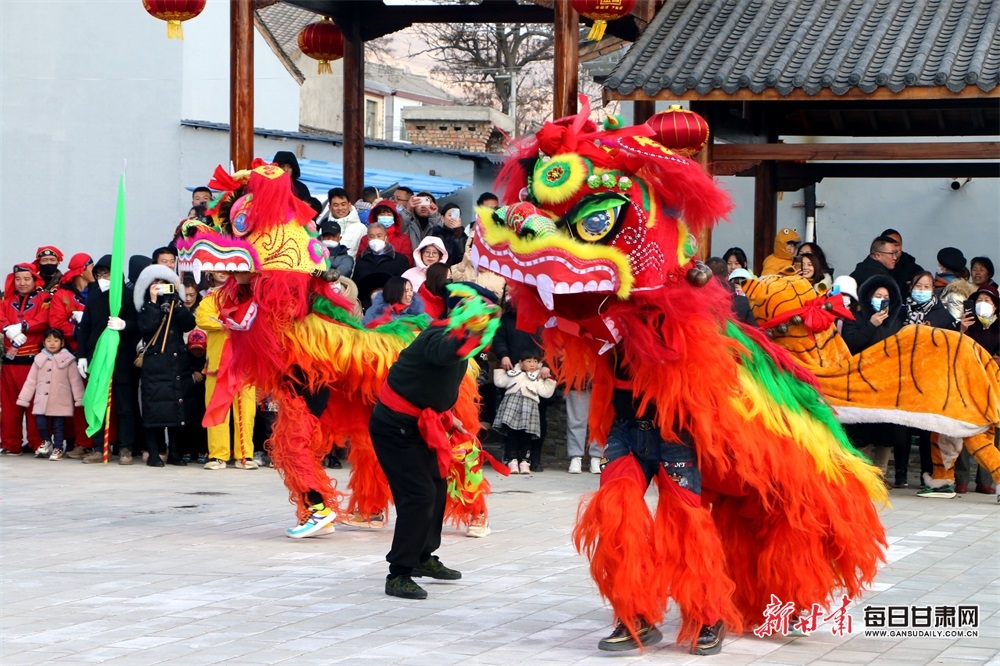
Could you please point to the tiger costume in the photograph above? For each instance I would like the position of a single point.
(925, 377)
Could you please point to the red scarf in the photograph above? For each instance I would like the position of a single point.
(433, 426)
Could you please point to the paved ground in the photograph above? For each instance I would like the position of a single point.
(135, 565)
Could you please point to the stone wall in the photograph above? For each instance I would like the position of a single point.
(461, 135)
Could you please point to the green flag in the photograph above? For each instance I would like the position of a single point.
(102, 364)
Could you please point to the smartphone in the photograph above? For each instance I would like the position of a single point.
(167, 288)
(969, 308)
(797, 263)
(884, 305)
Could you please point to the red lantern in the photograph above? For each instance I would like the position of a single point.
(600, 12)
(173, 12)
(322, 41)
(680, 130)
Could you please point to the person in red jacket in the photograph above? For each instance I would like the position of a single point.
(66, 304)
(26, 315)
(384, 212)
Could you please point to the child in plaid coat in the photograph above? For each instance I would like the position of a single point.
(518, 410)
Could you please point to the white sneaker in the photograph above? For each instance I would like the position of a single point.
(513, 465)
(524, 467)
(595, 466)
(478, 530)
(576, 465)
(215, 463)
(249, 463)
(44, 450)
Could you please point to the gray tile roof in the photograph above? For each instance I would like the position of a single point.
(697, 47)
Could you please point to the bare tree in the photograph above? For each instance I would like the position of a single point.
(486, 60)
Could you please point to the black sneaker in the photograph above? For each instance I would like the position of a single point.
(621, 640)
(404, 588)
(710, 640)
(901, 481)
(432, 568)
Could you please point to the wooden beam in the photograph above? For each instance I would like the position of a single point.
(240, 83)
(772, 95)
(816, 171)
(797, 152)
(354, 106)
(765, 213)
(567, 60)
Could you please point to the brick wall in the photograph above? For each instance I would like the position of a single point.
(460, 135)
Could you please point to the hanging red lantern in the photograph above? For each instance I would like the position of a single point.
(680, 130)
(600, 12)
(322, 41)
(174, 12)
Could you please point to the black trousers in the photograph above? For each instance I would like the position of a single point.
(519, 444)
(417, 489)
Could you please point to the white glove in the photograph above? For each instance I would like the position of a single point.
(11, 331)
(19, 339)
(116, 323)
(81, 367)
(75, 316)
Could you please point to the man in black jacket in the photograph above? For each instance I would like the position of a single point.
(906, 267)
(407, 426)
(124, 382)
(290, 164)
(882, 256)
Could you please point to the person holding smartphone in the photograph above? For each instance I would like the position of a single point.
(167, 373)
(881, 313)
(452, 233)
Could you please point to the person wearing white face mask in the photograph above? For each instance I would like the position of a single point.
(981, 322)
(376, 263)
(96, 318)
(340, 258)
(384, 213)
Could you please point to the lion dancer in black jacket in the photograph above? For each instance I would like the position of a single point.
(409, 429)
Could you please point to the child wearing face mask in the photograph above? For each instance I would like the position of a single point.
(339, 259)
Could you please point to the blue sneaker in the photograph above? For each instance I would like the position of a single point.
(320, 517)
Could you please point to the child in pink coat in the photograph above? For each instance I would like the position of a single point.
(57, 388)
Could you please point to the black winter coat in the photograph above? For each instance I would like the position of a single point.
(454, 242)
(868, 269)
(904, 271)
(167, 382)
(861, 333)
(510, 341)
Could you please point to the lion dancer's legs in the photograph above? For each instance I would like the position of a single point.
(298, 446)
(637, 564)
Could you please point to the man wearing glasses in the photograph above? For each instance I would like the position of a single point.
(882, 257)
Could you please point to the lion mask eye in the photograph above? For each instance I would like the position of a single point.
(596, 218)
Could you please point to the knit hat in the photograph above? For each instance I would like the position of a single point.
(77, 265)
(197, 339)
(951, 258)
(848, 285)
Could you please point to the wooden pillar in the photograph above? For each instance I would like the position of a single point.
(354, 107)
(765, 212)
(704, 158)
(241, 83)
(567, 59)
(642, 110)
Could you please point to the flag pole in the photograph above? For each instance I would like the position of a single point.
(107, 420)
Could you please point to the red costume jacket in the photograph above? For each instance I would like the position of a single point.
(32, 311)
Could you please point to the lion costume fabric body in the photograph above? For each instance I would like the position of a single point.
(925, 377)
(598, 233)
(294, 338)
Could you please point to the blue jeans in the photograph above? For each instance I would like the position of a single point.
(58, 432)
(679, 459)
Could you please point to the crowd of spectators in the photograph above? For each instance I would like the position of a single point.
(392, 256)
(887, 290)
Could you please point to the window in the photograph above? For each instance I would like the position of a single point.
(371, 118)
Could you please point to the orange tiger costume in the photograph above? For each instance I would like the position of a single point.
(925, 377)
